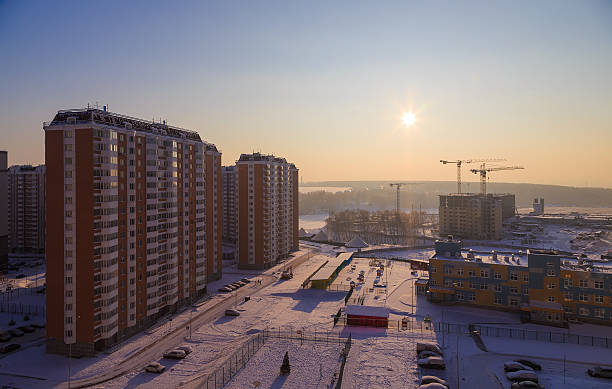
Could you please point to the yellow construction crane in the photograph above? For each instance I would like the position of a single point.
(466, 161)
(483, 174)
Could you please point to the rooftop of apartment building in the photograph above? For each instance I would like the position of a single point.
(104, 117)
(521, 258)
(264, 158)
(26, 168)
(476, 195)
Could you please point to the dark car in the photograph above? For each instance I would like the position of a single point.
(531, 364)
(5, 337)
(38, 325)
(602, 372)
(245, 280)
(15, 333)
(224, 289)
(26, 329)
(9, 347)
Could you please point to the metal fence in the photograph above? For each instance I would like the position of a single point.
(344, 355)
(23, 309)
(224, 373)
(306, 335)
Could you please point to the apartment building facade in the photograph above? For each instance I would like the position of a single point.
(230, 208)
(26, 209)
(543, 286)
(267, 210)
(474, 216)
(3, 210)
(127, 235)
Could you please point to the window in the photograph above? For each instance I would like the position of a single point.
(484, 286)
(498, 288)
(68, 201)
(551, 299)
(433, 269)
(471, 273)
(68, 214)
(583, 311)
(497, 275)
(567, 296)
(68, 319)
(68, 333)
(68, 160)
(526, 277)
(525, 290)
(68, 293)
(68, 307)
(552, 285)
(68, 266)
(599, 299)
(514, 302)
(460, 272)
(599, 313)
(513, 290)
(513, 276)
(550, 272)
(484, 274)
(448, 283)
(460, 296)
(68, 227)
(68, 134)
(68, 280)
(567, 282)
(598, 284)
(68, 147)
(472, 297)
(584, 283)
(68, 174)
(499, 299)
(583, 297)
(459, 284)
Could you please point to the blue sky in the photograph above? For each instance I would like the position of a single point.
(324, 84)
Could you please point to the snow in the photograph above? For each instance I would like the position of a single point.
(313, 223)
(313, 365)
(365, 310)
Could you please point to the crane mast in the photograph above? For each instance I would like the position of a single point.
(460, 162)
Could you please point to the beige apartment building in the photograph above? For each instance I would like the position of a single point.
(474, 216)
(133, 225)
(267, 210)
(26, 209)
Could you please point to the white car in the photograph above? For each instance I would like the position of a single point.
(155, 367)
(432, 363)
(429, 346)
(515, 366)
(175, 354)
(231, 312)
(522, 375)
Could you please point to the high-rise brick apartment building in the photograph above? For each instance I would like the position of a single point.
(267, 203)
(475, 216)
(3, 210)
(229, 204)
(132, 225)
(26, 208)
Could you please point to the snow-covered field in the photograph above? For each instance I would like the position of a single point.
(313, 223)
(313, 365)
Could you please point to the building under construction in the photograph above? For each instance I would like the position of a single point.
(475, 216)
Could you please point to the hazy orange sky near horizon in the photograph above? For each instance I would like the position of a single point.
(325, 84)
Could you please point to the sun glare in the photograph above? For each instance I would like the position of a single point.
(408, 118)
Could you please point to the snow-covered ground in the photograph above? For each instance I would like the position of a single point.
(313, 223)
(313, 365)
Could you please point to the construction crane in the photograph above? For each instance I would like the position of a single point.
(483, 174)
(459, 162)
(397, 200)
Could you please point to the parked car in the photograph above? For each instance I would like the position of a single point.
(433, 385)
(9, 347)
(231, 312)
(526, 385)
(428, 353)
(230, 287)
(515, 366)
(186, 349)
(286, 275)
(20, 275)
(430, 346)
(522, 375)
(175, 354)
(155, 367)
(224, 289)
(26, 329)
(432, 363)
(38, 325)
(5, 337)
(428, 379)
(602, 372)
(531, 364)
(15, 332)
(245, 280)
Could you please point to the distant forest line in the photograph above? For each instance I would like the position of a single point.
(374, 195)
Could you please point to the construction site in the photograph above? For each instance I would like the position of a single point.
(476, 216)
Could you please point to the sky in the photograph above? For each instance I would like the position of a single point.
(325, 83)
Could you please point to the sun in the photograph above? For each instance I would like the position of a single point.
(408, 118)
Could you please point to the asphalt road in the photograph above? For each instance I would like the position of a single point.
(154, 351)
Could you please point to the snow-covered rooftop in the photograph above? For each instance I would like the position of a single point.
(367, 310)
